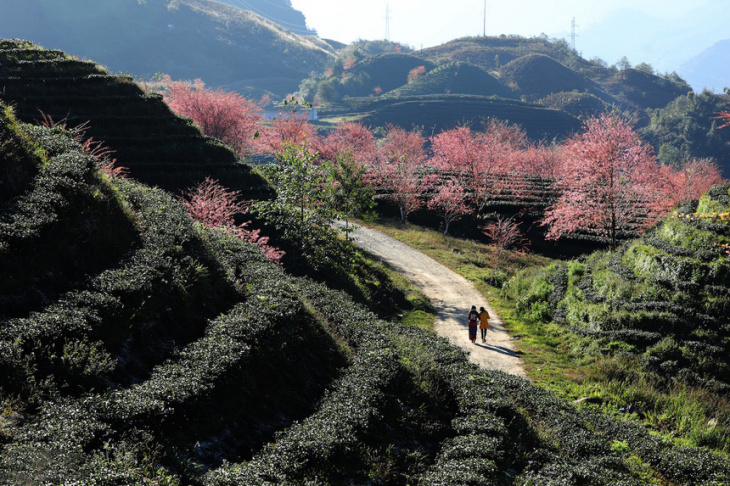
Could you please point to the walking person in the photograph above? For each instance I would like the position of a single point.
(483, 323)
(473, 318)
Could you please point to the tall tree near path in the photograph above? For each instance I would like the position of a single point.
(450, 202)
(609, 184)
(398, 170)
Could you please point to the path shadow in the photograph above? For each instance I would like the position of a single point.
(500, 349)
(458, 313)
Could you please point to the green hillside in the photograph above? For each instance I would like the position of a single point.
(646, 89)
(639, 90)
(687, 128)
(158, 147)
(658, 307)
(434, 113)
(537, 76)
(456, 77)
(355, 73)
(187, 39)
(580, 105)
(491, 53)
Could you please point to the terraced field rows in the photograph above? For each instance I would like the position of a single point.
(158, 147)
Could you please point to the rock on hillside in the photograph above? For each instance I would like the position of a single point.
(220, 44)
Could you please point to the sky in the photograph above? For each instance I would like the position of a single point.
(425, 23)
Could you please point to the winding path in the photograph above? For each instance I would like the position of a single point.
(452, 296)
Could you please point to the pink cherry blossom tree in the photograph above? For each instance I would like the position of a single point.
(451, 202)
(474, 160)
(225, 115)
(608, 184)
(214, 206)
(398, 171)
(348, 139)
(286, 129)
(694, 179)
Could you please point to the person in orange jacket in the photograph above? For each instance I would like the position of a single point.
(483, 323)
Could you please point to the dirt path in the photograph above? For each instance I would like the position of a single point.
(452, 296)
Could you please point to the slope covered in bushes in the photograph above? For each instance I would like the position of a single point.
(538, 75)
(658, 307)
(185, 357)
(158, 147)
(456, 77)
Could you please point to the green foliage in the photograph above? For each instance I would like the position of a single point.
(661, 300)
(348, 194)
(687, 128)
(538, 75)
(578, 104)
(302, 212)
(457, 78)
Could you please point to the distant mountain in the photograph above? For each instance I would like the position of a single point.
(221, 44)
(665, 42)
(709, 69)
(278, 11)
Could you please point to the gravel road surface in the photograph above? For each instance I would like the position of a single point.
(452, 296)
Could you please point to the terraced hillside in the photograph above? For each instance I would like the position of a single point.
(434, 113)
(661, 303)
(157, 146)
(538, 75)
(639, 90)
(456, 77)
(147, 349)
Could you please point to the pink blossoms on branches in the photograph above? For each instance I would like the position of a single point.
(450, 202)
(214, 206)
(397, 172)
(224, 115)
(476, 160)
(609, 184)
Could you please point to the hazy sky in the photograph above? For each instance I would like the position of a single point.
(431, 22)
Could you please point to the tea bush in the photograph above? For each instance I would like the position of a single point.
(664, 296)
